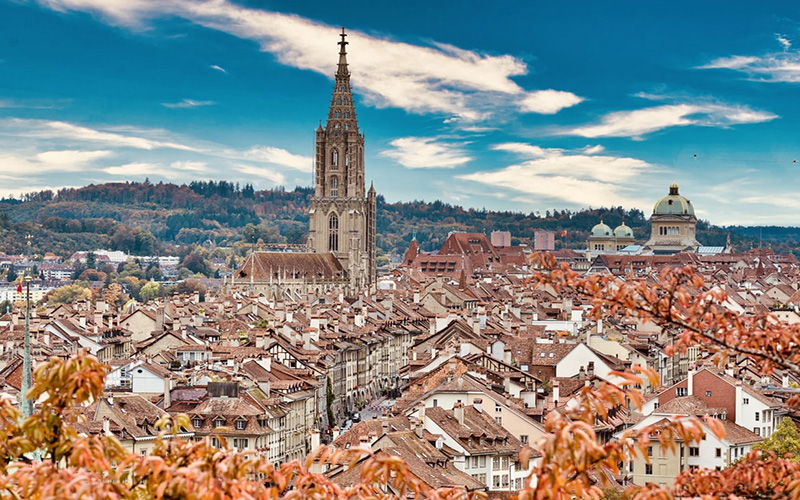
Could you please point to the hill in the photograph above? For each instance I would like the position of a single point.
(145, 218)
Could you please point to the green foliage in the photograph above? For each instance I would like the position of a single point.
(11, 275)
(784, 441)
(157, 216)
(149, 291)
(68, 294)
(330, 397)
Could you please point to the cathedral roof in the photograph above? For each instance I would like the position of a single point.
(673, 204)
(266, 265)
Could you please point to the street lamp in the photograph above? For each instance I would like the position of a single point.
(26, 406)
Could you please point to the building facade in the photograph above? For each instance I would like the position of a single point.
(341, 219)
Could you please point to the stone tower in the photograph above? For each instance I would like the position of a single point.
(341, 219)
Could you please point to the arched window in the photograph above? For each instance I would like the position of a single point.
(333, 233)
(346, 160)
(334, 157)
(334, 186)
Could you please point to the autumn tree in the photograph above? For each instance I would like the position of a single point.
(678, 298)
(68, 294)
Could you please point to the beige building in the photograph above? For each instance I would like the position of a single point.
(341, 218)
(672, 225)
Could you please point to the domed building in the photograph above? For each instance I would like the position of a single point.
(603, 239)
(673, 225)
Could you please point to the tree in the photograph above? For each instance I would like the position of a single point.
(68, 294)
(91, 260)
(330, 397)
(678, 299)
(75, 465)
(11, 275)
(784, 441)
(149, 291)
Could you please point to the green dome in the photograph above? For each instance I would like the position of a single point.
(601, 230)
(623, 231)
(673, 204)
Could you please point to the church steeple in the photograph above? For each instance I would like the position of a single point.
(342, 113)
(342, 214)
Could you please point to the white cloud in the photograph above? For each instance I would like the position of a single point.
(639, 122)
(137, 169)
(190, 166)
(70, 159)
(577, 178)
(279, 156)
(186, 103)
(781, 66)
(426, 152)
(276, 178)
(784, 41)
(49, 161)
(69, 132)
(219, 68)
(421, 79)
(548, 102)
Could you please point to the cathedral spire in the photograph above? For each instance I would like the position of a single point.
(342, 113)
(342, 69)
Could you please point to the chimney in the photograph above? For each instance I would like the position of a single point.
(167, 395)
(458, 412)
(106, 426)
(582, 373)
(160, 319)
(785, 380)
(384, 427)
(478, 404)
(590, 370)
(556, 392)
(416, 297)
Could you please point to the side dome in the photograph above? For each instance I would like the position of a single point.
(673, 204)
(623, 231)
(601, 230)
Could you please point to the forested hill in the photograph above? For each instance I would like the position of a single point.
(146, 218)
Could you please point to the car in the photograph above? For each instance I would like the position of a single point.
(347, 425)
(357, 417)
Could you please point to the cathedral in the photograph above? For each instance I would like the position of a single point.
(340, 250)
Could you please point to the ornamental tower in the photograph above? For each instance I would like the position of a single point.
(341, 218)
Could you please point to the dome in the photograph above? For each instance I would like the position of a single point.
(673, 204)
(623, 231)
(601, 230)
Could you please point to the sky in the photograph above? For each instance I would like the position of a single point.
(523, 106)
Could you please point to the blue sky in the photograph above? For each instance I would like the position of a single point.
(523, 106)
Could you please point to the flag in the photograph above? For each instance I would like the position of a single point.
(19, 287)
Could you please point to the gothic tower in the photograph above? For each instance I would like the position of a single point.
(342, 215)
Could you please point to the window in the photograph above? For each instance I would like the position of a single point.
(474, 462)
(497, 408)
(241, 425)
(504, 463)
(648, 469)
(435, 403)
(694, 451)
(197, 422)
(681, 391)
(655, 405)
(523, 439)
(333, 233)
(218, 423)
(745, 401)
(335, 157)
(496, 481)
(495, 463)
(708, 394)
(482, 460)
(718, 453)
(334, 186)
(649, 451)
(499, 420)
(758, 416)
(757, 431)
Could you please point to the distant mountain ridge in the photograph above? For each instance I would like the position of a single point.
(142, 218)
